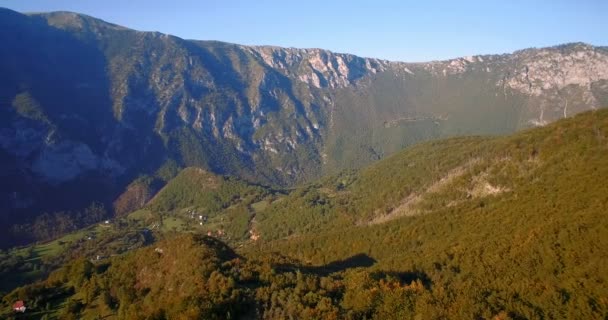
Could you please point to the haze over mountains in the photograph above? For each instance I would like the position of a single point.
(89, 106)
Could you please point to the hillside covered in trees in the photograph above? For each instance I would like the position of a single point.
(510, 227)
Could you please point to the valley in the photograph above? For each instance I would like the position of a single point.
(90, 107)
(148, 176)
(471, 226)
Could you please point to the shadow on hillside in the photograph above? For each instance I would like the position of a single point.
(357, 261)
(360, 260)
(222, 250)
(405, 278)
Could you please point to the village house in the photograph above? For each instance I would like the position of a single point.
(19, 306)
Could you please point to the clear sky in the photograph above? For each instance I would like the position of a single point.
(390, 29)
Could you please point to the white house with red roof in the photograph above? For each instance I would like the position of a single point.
(19, 306)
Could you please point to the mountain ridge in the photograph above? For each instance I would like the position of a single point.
(89, 103)
(272, 46)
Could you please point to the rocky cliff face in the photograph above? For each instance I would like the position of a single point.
(552, 79)
(83, 100)
(316, 67)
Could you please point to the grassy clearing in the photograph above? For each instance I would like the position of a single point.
(173, 224)
(259, 206)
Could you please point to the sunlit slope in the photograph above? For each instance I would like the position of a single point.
(514, 226)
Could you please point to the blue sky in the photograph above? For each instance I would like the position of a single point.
(395, 30)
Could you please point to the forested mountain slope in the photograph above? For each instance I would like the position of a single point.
(87, 107)
(509, 227)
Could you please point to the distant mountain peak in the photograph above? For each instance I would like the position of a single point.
(69, 18)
